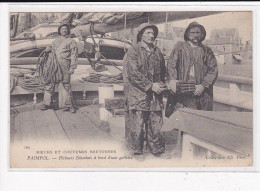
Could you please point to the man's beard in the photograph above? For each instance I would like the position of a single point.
(195, 40)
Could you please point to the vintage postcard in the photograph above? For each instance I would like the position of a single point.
(131, 89)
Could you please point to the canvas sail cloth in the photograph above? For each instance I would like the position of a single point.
(107, 21)
(115, 21)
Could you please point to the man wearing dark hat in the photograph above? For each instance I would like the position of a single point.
(66, 55)
(144, 77)
(192, 63)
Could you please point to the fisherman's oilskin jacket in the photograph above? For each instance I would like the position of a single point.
(141, 69)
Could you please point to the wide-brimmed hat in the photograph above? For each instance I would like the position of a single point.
(192, 25)
(141, 29)
(62, 26)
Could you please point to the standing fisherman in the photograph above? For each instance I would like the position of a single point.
(144, 77)
(191, 61)
(65, 53)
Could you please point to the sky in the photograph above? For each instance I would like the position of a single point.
(240, 20)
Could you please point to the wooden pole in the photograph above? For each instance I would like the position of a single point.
(15, 20)
(28, 21)
(104, 92)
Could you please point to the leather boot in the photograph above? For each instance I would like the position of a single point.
(72, 109)
(45, 107)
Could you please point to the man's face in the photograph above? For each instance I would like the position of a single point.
(148, 36)
(64, 30)
(195, 35)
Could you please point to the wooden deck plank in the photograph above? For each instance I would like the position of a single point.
(92, 114)
(69, 126)
(73, 127)
(79, 128)
(42, 129)
(27, 129)
(56, 129)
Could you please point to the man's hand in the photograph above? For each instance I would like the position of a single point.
(172, 85)
(158, 87)
(36, 74)
(199, 89)
(71, 71)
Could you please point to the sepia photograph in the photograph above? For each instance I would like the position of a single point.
(159, 89)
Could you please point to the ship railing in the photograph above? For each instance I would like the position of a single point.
(236, 93)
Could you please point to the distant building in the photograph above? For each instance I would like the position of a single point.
(177, 34)
(165, 42)
(167, 39)
(220, 55)
(224, 45)
(248, 51)
(229, 43)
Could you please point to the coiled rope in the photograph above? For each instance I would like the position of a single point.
(49, 68)
(48, 72)
(102, 78)
(29, 84)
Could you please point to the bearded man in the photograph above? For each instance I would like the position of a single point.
(191, 63)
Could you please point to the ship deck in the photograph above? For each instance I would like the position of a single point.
(34, 130)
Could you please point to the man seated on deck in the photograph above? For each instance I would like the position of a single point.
(193, 66)
(66, 55)
(144, 76)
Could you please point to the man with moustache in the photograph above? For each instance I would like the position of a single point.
(191, 62)
(144, 76)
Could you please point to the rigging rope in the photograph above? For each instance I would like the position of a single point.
(96, 45)
(166, 24)
(87, 56)
(148, 18)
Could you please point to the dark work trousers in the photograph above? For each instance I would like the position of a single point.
(145, 125)
(63, 89)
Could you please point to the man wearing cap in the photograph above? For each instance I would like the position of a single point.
(65, 51)
(192, 62)
(144, 76)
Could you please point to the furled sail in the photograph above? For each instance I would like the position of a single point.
(115, 21)
(105, 22)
